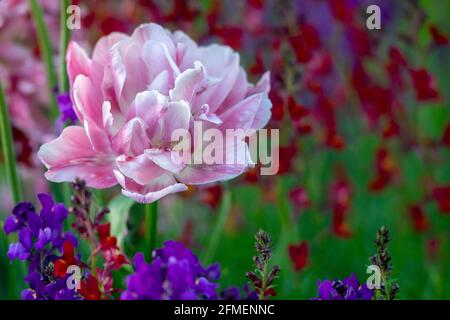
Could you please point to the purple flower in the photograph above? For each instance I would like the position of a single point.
(67, 114)
(174, 274)
(348, 289)
(40, 242)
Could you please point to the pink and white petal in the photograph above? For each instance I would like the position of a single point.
(132, 138)
(188, 83)
(96, 176)
(263, 114)
(101, 56)
(165, 160)
(151, 31)
(160, 83)
(141, 168)
(263, 85)
(99, 138)
(187, 51)
(129, 72)
(243, 114)
(207, 116)
(204, 173)
(87, 100)
(237, 93)
(157, 58)
(177, 115)
(72, 156)
(77, 61)
(148, 106)
(158, 189)
(223, 63)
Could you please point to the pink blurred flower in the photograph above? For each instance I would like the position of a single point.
(132, 94)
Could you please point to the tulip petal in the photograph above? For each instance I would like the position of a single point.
(203, 173)
(71, 156)
(158, 189)
(132, 138)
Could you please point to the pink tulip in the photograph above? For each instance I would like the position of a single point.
(130, 97)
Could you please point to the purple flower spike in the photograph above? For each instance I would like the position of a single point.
(41, 239)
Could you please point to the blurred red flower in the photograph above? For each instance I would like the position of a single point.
(299, 255)
(424, 84)
(385, 168)
(442, 197)
(299, 198)
(341, 196)
(418, 218)
(439, 38)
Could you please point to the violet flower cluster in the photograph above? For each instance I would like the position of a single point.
(347, 289)
(175, 273)
(41, 240)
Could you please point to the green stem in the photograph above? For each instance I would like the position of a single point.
(64, 38)
(46, 53)
(151, 230)
(8, 150)
(216, 235)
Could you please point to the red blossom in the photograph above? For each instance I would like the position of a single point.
(418, 218)
(212, 195)
(446, 137)
(66, 260)
(341, 10)
(277, 105)
(299, 198)
(90, 289)
(305, 43)
(107, 241)
(439, 38)
(442, 196)
(341, 201)
(286, 157)
(299, 255)
(385, 168)
(425, 85)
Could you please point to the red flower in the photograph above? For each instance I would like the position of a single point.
(89, 288)
(439, 38)
(68, 259)
(277, 105)
(385, 170)
(446, 137)
(286, 157)
(418, 218)
(341, 10)
(298, 114)
(305, 43)
(424, 85)
(212, 195)
(442, 197)
(341, 200)
(396, 64)
(299, 197)
(107, 241)
(299, 255)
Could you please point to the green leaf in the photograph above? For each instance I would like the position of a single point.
(120, 207)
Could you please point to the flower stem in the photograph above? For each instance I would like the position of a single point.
(8, 149)
(46, 53)
(151, 230)
(64, 37)
(219, 227)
